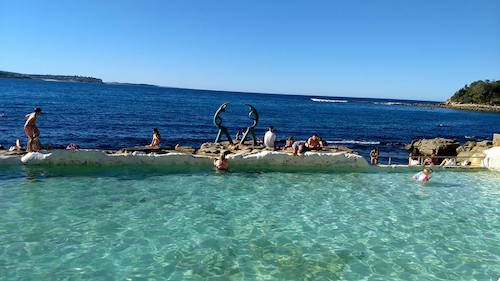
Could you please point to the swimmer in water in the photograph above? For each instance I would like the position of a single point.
(424, 176)
(221, 163)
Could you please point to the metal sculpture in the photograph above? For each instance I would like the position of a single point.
(253, 115)
(218, 123)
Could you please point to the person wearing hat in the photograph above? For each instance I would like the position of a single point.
(31, 130)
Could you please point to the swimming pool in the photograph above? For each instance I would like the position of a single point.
(143, 222)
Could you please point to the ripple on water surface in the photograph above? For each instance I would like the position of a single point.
(115, 224)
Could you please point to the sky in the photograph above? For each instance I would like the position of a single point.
(424, 50)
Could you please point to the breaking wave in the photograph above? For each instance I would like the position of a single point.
(327, 100)
(353, 142)
(390, 103)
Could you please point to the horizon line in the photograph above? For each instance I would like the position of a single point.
(218, 90)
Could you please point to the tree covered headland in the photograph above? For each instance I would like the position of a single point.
(480, 92)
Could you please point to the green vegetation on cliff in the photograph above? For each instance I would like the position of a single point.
(64, 78)
(480, 92)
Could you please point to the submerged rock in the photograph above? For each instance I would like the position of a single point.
(443, 147)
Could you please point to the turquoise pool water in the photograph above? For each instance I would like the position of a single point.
(139, 223)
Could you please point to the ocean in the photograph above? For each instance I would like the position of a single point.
(110, 116)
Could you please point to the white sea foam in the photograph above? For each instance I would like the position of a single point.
(353, 142)
(390, 103)
(327, 100)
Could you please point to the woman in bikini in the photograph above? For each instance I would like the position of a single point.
(156, 138)
(32, 131)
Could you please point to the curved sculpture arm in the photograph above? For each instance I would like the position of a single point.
(217, 118)
(253, 115)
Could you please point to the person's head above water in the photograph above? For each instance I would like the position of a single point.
(271, 128)
(37, 110)
(155, 130)
(427, 171)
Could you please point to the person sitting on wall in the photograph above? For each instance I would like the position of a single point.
(412, 158)
(270, 138)
(155, 142)
(374, 156)
(432, 159)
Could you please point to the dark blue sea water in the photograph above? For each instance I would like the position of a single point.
(109, 116)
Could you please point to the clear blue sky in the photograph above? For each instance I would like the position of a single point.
(392, 49)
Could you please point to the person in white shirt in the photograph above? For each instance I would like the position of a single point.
(270, 138)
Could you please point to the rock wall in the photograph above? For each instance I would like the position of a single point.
(263, 160)
(443, 147)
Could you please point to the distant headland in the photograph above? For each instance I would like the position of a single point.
(49, 77)
(478, 96)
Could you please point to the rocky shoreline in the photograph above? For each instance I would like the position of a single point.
(471, 151)
(461, 106)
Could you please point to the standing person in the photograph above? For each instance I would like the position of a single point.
(270, 138)
(155, 142)
(374, 156)
(31, 130)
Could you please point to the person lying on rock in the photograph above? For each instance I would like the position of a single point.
(299, 148)
(314, 143)
(289, 142)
